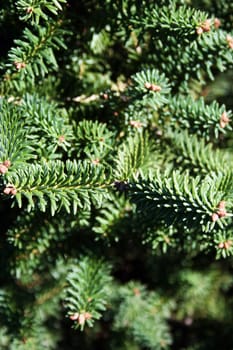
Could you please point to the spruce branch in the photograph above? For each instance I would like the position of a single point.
(161, 21)
(93, 140)
(149, 88)
(34, 54)
(191, 152)
(206, 120)
(34, 10)
(176, 198)
(211, 53)
(143, 315)
(50, 130)
(86, 292)
(14, 146)
(134, 156)
(57, 185)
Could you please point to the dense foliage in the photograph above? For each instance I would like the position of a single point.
(116, 175)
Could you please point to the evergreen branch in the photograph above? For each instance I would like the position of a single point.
(197, 117)
(13, 144)
(111, 217)
(166, 20)
(87, 291)
(57, 186)
(35, 9)
(143, 315)
(134, 155)
(178, 199)
(193, 153)
(34, 54)
(150, 88)
(49, 126)
(211, 53)
(92, 139)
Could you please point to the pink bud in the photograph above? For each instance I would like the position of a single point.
(81, 319)
(215, 217)
(74, 317)
(155, 88)
(147, 85)
(221, 245)
(3, 169)
(7, 163)
(7, 190)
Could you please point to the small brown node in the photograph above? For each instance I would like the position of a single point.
(206, 25)
(135, 123)
(217, 23)
(214, 217)
(75, 316)
(152, 87)
(230, 41)
(7, 163)
(224, 120)
(29, 10)
(61, 139)
(3, 169)
(136, 291)
(199, 30)
(10, 189)
(95, 161)
(225, 245)
(19, 65)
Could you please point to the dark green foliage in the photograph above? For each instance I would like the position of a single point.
(87, 291)
(116, 181)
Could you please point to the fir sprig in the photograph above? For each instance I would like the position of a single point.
(34, 10)
(87, 291)
(178, 199)
(57, 185)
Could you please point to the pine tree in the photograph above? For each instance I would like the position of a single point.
(116, 181)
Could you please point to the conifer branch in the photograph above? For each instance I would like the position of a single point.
(206, 120)
(57, 186)
(34, 10)
(86, 293)
(179, 199)
(34, 54)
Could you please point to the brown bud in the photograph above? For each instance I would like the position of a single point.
(214, 217)
(224, 119)
(221, 245)
(7, 190)
(230, 41)
(217, 23)
(81, 319)
(147, 86)
(105, 96)
(227, 244)
(135, 123)
(3, 169)
(206, 25)
(29, 10)
(199, 30)
(61, 138)
(95, 161)
(87, 315)
(222, 205)
(7, 163)
(13, 191)
(10, 189)
(74, 317)
(155, 88)
(19, 65)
